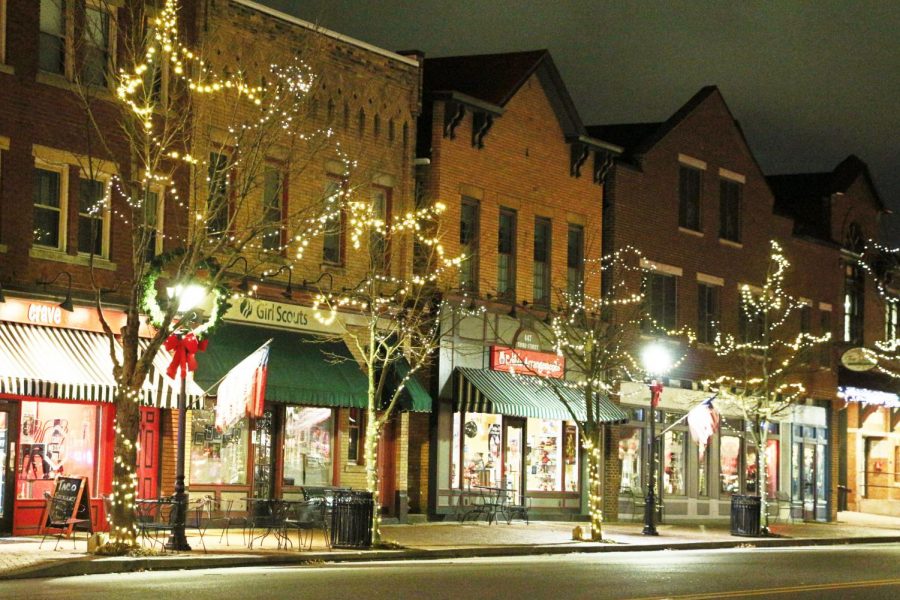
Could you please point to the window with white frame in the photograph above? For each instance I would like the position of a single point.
(52, 38)
(93, 217)
(96, 47)
(49, 200)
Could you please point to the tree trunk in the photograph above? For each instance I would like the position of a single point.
(123, 529)
(372, 483)
(593, 451)
(761, 479)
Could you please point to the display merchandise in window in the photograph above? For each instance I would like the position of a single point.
(630, 445)
(481, 439)
(543, 466)
(218, 457)
(454, 452)
(307, 446)
(570, 451)
(673, 466)
(702, 471)
(729, 464)
(56, 439)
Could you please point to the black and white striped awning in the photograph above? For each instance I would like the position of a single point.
(70, 364)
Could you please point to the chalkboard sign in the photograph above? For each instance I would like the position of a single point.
(69, 507)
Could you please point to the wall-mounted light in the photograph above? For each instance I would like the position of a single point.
(66, 304)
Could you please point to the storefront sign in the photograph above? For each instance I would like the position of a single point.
(859, 359)
(527, 362)
(870, 397)
(277, 314)
(49, 314)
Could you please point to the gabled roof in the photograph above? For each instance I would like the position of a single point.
(638, 138)
(805, 197)
(493, 78)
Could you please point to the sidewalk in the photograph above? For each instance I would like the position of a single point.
(21, 557)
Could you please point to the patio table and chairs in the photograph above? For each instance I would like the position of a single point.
(492, 503)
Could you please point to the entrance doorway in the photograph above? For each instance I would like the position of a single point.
(877, 474)
(514, 436)
(808, 484)
(8, 435)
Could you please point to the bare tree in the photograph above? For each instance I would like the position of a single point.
(764, 367)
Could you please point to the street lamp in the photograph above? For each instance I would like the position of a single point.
(657, 360)
(189, 297)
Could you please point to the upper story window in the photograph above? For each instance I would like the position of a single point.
(468, 243)
(708, 312)
(541, 270)
(806, 319)
(689, 197)
(661, 301)
(50, 204)
(274, 195)
(379, 244)
(730, 210)
(96, 50)
(93, 218)
(506, 255)
(575, 262)
(217, 203)
(2, 31)
(891, 319)
(333, 236)
(752, 323)
(153, 222)
(825, 328)
(854, 295)
(52, 41)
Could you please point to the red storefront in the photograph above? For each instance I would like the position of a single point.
(56, 412)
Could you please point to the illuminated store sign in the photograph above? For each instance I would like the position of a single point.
(527, 362)
(870, 397)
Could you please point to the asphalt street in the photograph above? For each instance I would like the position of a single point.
(846, 572)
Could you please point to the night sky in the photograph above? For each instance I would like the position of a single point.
(810, 82)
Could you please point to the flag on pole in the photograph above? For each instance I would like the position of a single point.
(243, 389)
(703, 421)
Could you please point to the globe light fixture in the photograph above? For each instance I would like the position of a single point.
(657, 361)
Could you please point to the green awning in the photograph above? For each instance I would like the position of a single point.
(303, 369)
(485, 391)
(414, 397)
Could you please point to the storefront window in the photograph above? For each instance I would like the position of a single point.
(630, 457)
(674, 450)
(795, 472)
(307, 446)
(218, 457)
(57, 439)
(570, 449)
(751, 461)
(772, 456)
(729, 464)
(454, 453)
(481, 449)
(543, 466)
(703, 471)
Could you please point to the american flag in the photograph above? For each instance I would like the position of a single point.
(703, 421)
(243, 390)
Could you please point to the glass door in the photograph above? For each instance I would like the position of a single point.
(809, 482)
(7, 466)
(514, 435)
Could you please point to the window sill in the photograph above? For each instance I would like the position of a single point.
(725, 242)
(330, 267)
(8, 69)
(81, 260)
(689, 231)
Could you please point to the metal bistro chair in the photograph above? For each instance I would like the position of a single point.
(268, 514)
(306, 516)
(514, 506)
(222, 515)
(199, 516)
(154, 517)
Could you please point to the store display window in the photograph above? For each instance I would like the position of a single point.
(481, 444)
(674, 455)
(307, 446)
(218, 457)
(630, 445)
(56, 439)
(702, 471)
(729, 464)
(570, 453)
(454, 452)
(544, 456)
(752, 468)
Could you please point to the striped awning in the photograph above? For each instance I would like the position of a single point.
(486, 391)
(70, 364)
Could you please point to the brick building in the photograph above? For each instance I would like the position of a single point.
(68, 242)
(501, 143)
(689, 194)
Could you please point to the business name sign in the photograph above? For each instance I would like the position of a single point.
(277, 314)
(527, 362)
(869, 397)
(49, 314)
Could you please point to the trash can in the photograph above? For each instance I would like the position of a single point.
(351, 519)
(745, 515)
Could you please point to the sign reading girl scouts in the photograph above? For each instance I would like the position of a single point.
(277, 314)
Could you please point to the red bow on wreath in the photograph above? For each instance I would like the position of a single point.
(183, 349)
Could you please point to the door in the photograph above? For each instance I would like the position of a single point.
(514, 452)
(808, 486)
(387, 467)
(148, 454)
(8, 438)
(877, 474)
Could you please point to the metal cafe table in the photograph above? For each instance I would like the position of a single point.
(481, 500)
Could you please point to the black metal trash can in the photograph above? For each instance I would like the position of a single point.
(745, 515)
(351, 519)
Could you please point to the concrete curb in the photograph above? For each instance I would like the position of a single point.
(102, 566)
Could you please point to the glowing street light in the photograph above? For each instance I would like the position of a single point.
(656, 360)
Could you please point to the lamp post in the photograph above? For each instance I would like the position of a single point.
(188, 297)
(656, 361)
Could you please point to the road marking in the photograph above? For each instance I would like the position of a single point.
(814, 587)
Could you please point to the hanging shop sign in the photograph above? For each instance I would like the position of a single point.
(527, 362)
(278, 314)
(859, 359)
(869, 397)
